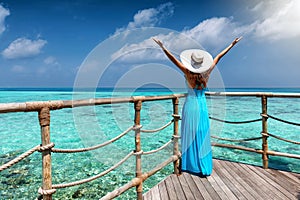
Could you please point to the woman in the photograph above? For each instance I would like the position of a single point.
(197, 66)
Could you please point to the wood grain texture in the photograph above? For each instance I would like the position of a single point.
(229, 180)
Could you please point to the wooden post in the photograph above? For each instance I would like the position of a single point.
(175, 134)
(44, 119)
(138, 149)
(264, 132)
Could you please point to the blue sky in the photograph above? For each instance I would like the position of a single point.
(50, 43)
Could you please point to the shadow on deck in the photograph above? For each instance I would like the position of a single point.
(229, 180)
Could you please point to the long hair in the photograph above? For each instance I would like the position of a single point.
(199, 79)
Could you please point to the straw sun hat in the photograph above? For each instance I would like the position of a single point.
(196, 60)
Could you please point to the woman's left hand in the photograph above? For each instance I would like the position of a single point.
(236, 40)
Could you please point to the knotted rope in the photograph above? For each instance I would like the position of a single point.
(46, 147)
(46, 192)
(175, 137)
(176, 116)
(137, 127)
(138, 153)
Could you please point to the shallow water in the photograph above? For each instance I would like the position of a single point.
(88, 126)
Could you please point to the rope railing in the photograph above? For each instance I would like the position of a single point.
(158, 129)
(135, 181)
(43, 108)
(55, 150)
(24, 155)
(264, 151)
(236, 140)
(284, 121)
(64, 185)
(19, 158)
(235, 122)
(158, 149)
(280, 138)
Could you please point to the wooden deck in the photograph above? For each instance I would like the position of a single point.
(229, 180)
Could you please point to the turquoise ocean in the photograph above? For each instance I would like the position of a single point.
(88, 126)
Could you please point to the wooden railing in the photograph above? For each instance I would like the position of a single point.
(46, 147)
(264, 118)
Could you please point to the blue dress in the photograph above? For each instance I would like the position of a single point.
(195, 135)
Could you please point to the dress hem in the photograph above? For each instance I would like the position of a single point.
(200, 174)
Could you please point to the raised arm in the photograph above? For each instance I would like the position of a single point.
(171, 56)
(222, 53)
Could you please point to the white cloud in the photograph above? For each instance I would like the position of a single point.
(150, 17)
(142, 19)
(281, 20)
(276, 20)
(147, 50)
(50, 60)
(3, 14)
(215, 33)
(211, 34)
(22, 48)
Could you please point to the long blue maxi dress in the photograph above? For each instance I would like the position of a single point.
(195, 135)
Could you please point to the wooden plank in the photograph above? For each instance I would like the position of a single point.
(241, 187)
(229, 180)
(147, 195)
(155, 194)
(216, 187)
(260, 185)
(239, 191)
(281, 179)
(292, 176)
(163, 190)
(185, 187)
(278, 189)
(170, 188)
(177, 186)
(193, 186)
(223, 186)
(238, 175)
(210, 189)
(201, 187)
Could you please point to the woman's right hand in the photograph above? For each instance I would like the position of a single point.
(159, 43)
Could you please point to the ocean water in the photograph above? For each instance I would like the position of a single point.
(88, 126)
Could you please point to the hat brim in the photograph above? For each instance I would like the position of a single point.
(185, 58)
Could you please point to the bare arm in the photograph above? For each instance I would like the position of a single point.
(171, 56)
(222, 53)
